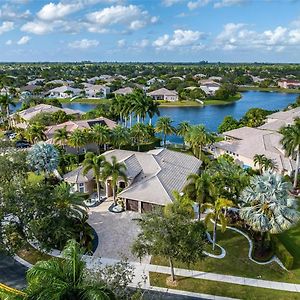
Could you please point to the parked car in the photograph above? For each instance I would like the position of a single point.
(22, 144)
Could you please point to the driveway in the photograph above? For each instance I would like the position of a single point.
(116, 232)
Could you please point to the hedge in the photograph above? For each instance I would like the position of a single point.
(144, 147)
(282, 253)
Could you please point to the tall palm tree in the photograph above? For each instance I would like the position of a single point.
(259, 160)
(35, 133)
(120, 136)
(266, 205)
(114, 171)
(61, 136)
(96, 163)
(140, 105)
(182, 130)
(100, 134)
(5, 102)
(201, 188)
(64, 279)
(77, 139)
(152, 109)
(291, 144)
(139, 133)
(216, 212)
(164, 126)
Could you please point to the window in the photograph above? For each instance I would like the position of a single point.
(81, 187)
(122, 184)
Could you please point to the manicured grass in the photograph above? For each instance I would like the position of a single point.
(86, 101)
(237, 97)
(221, 288)
(269, 89)
(35, 178)
(32, 255)
(236, 261)
(178, 103)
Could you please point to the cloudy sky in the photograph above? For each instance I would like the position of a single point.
(150, 30)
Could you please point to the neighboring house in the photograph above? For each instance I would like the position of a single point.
(30, 88)
(244, 143)
(257, 79)
(215, 78)
(96, 91)
(63, 92)
(152, 177)
(289, 84)
(80, 124)
(124, 91)
(209, 87)
(163, 94)
(27, 114)
(155, 80)
(61, 82)
(199, 76)
(37, 81)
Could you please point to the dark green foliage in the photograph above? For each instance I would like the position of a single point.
(282, 253)
(228, 123)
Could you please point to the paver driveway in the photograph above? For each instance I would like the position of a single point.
(116, 232)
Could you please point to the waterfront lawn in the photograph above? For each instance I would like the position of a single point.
(85, 100)
(212, 101)
(236, 261)
(269, 89)
(221, 288)
(180, 103)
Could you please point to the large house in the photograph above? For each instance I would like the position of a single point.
(96, 91)
(209, 87)
(80, 124)
(63, 92)
(21, 119)
(289, 84)
(124, 91)
(153, 176)
(163, 94)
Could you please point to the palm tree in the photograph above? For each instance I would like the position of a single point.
(5, 102)
(100, 134)
(266, 205)
(77, 139)
(35, 133)
(182, 130)
(291, 144)
(152, 109)
(95, 163)
(61, 136)
(216, 213)
(120, 136)
(139, 133)
(140, 105)
(64, 278)
(114, 170)
(259, 160)
(201, 188)
(164, 126)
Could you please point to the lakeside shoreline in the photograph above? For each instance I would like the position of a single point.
(268, 90)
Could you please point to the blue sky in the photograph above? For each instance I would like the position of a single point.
(150, 30)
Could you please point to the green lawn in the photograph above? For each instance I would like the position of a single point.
(222, 288)
(84, 100)
(178, 103)
(236, 261)
(238, 96)
(269, 89)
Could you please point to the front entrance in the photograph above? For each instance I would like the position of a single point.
(109, 190)
(132, 205)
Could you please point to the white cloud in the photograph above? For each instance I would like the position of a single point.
(9, 12)
(6, 26)
(84, 44)
(130, 16)
(52, 11)
(196, 4)
(169, 3)
(226, 3)
(121, 43)
(23, 40)
(180, 38)
(8, 42)
(142, 44)
(37, 27)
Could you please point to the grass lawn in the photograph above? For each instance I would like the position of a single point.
(178, 103)
(222, 288)
(269, 89)
(32, 255)
(87, 101)
(236, 261)
(238, 96)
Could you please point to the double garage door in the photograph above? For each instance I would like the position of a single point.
(133, 205)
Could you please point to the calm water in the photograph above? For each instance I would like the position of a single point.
(212, 116)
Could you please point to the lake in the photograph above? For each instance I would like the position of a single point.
(211, 116)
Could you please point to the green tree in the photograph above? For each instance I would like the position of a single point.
(216, 212)
(139, 134)
(61, 136)
(114, 171)
(228, 123)
(182, 130)
(5, 102)
(120, 136)
(35, 133)
(95, 163)
(291, 144)
(78, 138)
(164, 126)
(100, 135)
(171, 234)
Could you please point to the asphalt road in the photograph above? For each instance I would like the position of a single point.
(12, 273)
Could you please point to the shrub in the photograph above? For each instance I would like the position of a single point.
(282, 253)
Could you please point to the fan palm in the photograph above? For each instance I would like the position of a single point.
(61, 136)
(77, 139)
(216, 212)
(291, 144)
(64, 279)
(259, 160)
(95, 163)
(266, 205)
(114, 170)
(100, 135)
(164, 126)
(35, 133)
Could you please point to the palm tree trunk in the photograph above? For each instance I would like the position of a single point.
(138, 118)
(125, 119)
(172, 269)
(98, 189)
(130, 120)
(99, 148)
(165, 140)
(297, 168)
(114, 194)
(150, 121)
(215, 234)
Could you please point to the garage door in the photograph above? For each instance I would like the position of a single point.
(132, 205)
(146, 207)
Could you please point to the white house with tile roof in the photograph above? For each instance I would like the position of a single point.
(163, 94)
